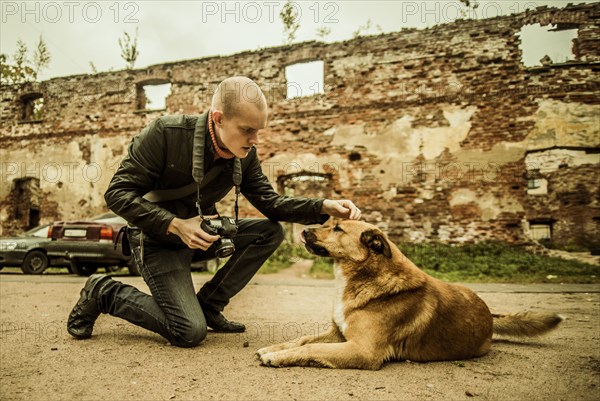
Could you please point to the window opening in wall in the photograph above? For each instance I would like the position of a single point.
(32, 107)
(304, 79)
(551, 44)
(537, 186)
(540, 231)
(316, 185)
(153, 95)
(534, 183)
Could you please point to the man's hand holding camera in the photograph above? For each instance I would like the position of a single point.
(191, 233)
(201, 232)
(226, 229)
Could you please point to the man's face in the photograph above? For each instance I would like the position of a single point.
(239, 133)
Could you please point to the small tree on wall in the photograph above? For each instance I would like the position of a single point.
(472, 4)
(24, 68)
(129, 48)
(290, 20)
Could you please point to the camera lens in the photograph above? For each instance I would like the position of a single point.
(224, 248)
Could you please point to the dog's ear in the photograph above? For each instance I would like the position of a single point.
(376, 241)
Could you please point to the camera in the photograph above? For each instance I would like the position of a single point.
(226, 228)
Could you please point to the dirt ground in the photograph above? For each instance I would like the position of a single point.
(40, 361)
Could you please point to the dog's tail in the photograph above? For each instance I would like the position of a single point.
(525, 324)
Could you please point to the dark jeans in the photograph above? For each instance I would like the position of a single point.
(173, 310)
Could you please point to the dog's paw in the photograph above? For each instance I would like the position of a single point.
(268, 359)
(277, 359)
(269, 349)
(262, 352)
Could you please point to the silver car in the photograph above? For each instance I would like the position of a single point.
(27, 251)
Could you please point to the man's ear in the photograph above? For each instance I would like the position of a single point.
(217, 117)
(377, 242)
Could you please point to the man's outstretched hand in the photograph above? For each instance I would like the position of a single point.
(344, 209)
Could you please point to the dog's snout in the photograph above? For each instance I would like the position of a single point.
(308, 235)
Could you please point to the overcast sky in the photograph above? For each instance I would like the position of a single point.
(80, 32)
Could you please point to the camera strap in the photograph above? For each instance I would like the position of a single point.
(237, 181)
(198, 165)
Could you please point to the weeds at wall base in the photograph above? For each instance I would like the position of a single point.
(484, 262)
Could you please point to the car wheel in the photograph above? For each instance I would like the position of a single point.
(112, 269)
(83, 270)
(35, 263)
(133, 267)
(212, 265)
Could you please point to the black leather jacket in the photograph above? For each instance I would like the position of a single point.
(161, 157)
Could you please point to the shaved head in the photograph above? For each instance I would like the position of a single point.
(238, 112)
(235, 93)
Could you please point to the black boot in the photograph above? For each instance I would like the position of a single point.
(216, 321)
(85, 312)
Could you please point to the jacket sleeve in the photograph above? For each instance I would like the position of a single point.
(138, 174)
(260, 193)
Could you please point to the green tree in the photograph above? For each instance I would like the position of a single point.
(472, 4)
(93, 67)
(23, 68)
(364, 29)
(290, 20)
(41, 57)
(323, 32)
(129, 48)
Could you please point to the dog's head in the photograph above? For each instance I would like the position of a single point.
(347, 240)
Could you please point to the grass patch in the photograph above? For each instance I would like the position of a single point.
(273, 266)
(322, 268)
(285, 256)
(497, 262)
(483, 262)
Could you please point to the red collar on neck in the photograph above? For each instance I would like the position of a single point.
(219, 152)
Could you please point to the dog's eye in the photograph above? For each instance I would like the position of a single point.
(337, 228)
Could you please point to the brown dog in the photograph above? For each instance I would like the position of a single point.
(389, 309)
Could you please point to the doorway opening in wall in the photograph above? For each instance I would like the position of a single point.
(34, 217)
(32, 107)
(25, 202)
(540, 230)
(306, 184)
(550, 44)
(304, 79)
(152, 95)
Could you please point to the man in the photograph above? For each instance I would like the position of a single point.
(210, 154)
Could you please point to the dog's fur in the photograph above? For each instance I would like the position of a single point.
(389, 309)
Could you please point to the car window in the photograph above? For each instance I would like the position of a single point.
(104, 216)
(40, 231)
(112, 220)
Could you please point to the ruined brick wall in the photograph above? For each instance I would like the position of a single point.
(430, 131)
